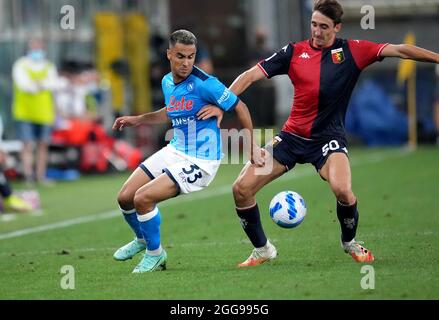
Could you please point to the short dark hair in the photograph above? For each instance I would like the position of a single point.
(330, 8)
(182, 36)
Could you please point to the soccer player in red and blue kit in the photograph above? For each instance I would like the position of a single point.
(324, 71)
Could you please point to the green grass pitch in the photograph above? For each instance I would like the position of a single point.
(398, 196)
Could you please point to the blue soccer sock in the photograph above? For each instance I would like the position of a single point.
(251, 223)
(131, 218)
(150, 227)
(348, 218)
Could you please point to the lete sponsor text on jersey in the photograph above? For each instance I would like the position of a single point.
(179, 105)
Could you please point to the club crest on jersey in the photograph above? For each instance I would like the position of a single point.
(337, 55)
(190, 86)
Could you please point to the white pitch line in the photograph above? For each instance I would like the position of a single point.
(210, 193)
(6, 217)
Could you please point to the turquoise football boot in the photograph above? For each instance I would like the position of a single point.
(129, 250)
(152, 263)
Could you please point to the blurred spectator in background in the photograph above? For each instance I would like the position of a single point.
(34, 79)
(79, 104)
(260, 49)
(436, 106)
(76, 97)
(10, 201)
(262, 95)
(159, 66)
(81, 109)
(203, 59)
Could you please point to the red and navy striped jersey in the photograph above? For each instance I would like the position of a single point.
(323, 81)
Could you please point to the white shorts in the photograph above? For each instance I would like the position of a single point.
(189, 174)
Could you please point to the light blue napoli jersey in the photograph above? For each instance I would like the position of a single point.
(197, 138)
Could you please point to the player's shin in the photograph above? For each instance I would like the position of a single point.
(131, 218)
(348, 218)
(251, 223)
(150, 228)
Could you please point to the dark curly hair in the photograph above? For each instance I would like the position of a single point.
(330, 8)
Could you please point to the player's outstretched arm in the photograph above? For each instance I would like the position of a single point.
(155, 117)
(245, 80)
(254, 151)
(408, 51)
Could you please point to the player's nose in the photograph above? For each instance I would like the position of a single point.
(317, 32)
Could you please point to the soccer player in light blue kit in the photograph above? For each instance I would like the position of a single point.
(190, 161)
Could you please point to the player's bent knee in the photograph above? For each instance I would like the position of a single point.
(343, 193)
(125, 199)
(142, 202)
(241, 191)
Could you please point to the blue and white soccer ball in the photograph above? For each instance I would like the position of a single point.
(287, 209)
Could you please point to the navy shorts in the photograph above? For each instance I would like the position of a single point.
(289, 149)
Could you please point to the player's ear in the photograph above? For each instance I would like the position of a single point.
(168, 54)
(337, 27)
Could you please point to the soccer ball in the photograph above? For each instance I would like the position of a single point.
(287, 209)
